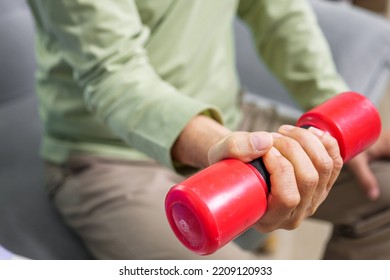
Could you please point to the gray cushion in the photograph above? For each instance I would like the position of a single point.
(17, 50)
(29, 226)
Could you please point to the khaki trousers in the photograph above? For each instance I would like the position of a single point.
(117, 207)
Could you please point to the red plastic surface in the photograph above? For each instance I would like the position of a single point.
(350, 118)
(214, 206)
(208, 210)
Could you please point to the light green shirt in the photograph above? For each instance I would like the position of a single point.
(122, 78)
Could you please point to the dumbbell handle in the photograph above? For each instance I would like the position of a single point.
(212, 207)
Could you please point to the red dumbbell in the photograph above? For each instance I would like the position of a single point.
(215, 205)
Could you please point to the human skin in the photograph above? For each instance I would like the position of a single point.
(360, 165)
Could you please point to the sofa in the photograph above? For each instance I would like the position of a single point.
(29, 225)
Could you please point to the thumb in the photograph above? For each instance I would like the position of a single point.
(244, 146)
(361, 169)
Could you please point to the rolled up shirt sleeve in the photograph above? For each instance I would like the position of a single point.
(104, 44)
(291, 44)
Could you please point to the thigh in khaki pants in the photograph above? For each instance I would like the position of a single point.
(117, 208)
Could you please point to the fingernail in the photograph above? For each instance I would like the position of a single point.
(261, 140)
(286, 127)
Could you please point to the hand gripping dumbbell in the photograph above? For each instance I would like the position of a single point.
(217, 204)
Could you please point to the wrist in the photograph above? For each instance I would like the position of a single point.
(198, 136)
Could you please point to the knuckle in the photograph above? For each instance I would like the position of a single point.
(290, 143)
(310, 179)
(326, 165)
(232, 146)
(292, 224)
(284, 167)
(338, 163)
(290, 201)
